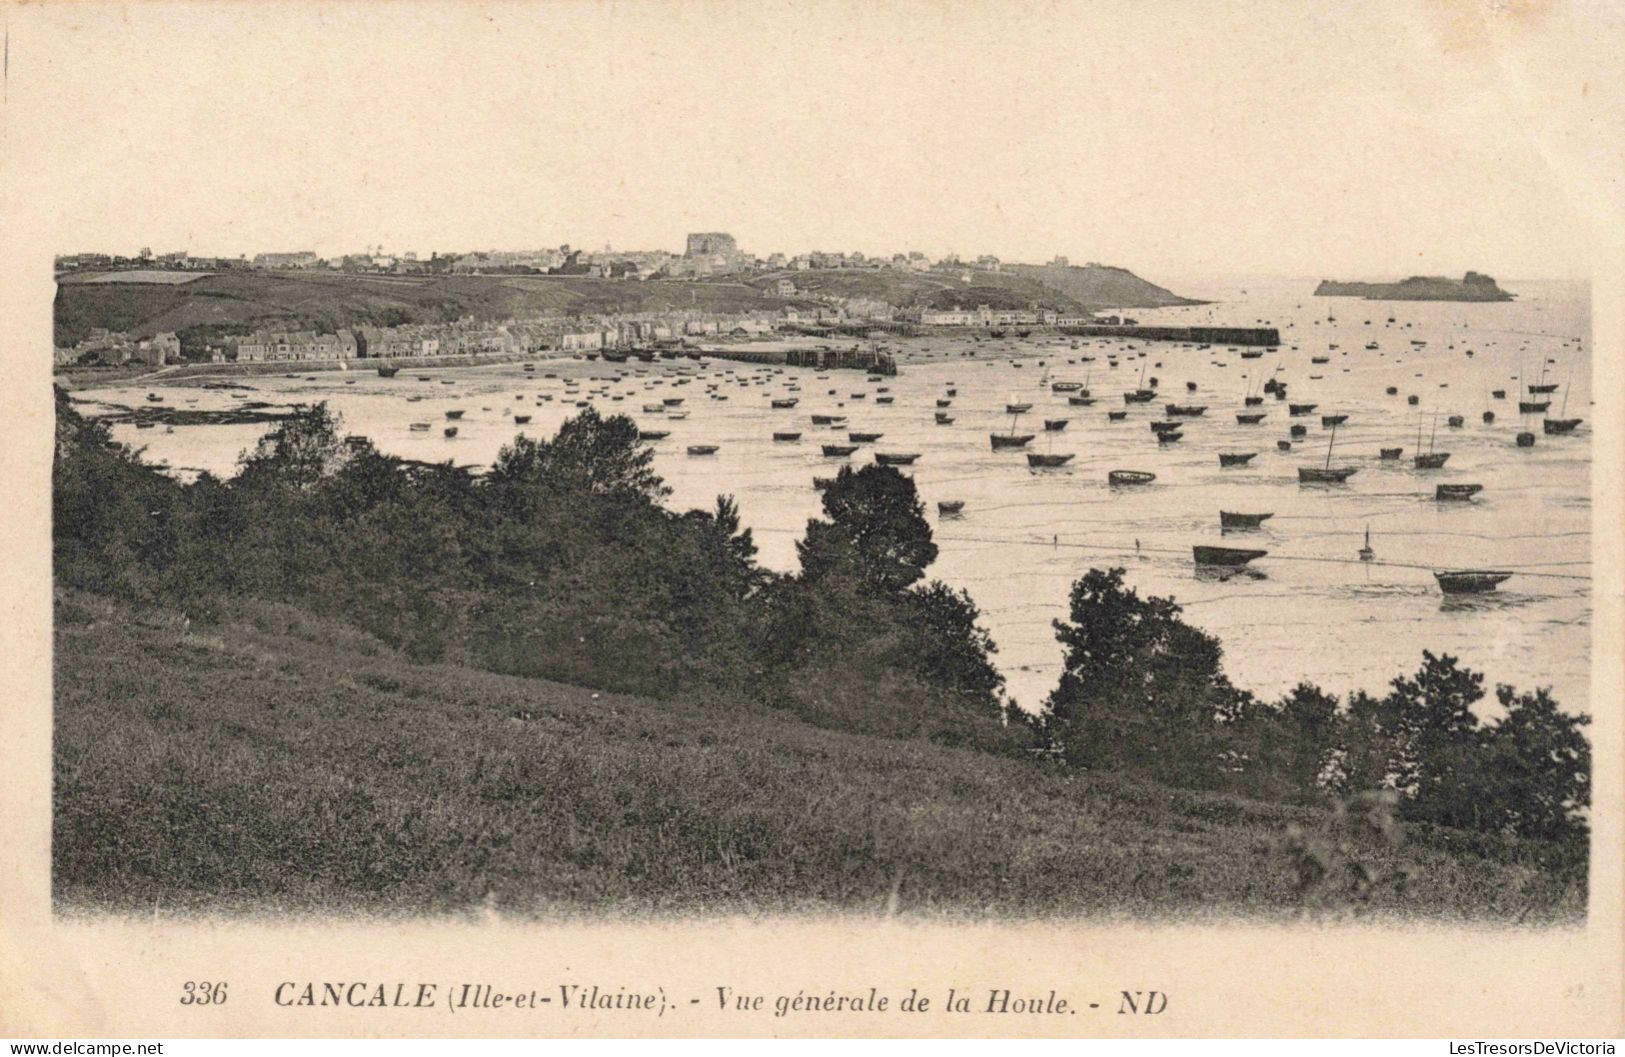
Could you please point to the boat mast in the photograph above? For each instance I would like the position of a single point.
(1329, 446)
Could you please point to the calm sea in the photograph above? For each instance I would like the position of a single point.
(1310, 609)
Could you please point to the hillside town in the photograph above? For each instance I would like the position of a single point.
(706, 254)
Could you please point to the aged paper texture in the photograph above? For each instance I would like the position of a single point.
(504, 542)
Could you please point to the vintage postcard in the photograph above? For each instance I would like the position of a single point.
(812, 519)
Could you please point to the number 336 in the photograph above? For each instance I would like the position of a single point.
(203, 993)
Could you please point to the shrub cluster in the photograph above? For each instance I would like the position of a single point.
(1144, 692)
(560, 562)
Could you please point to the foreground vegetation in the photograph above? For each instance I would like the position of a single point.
(562, 565)
(277, 761)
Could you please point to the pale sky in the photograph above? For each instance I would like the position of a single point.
(1173, 138)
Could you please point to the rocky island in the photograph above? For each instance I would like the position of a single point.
(1470, 287)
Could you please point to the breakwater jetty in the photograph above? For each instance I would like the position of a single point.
(871, 360)
(1204, 335)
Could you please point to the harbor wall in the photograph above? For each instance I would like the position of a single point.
(1204, 335)
(823, 359)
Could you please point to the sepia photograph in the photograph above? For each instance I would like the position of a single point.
(955, 466)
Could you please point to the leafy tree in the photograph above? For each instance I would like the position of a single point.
(590, 456)
(876, 532)
(1140, 689)
(950, 649)
(298, 453)
(1537, 767)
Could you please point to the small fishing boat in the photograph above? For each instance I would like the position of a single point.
(1001, 441)
(1116, 416)
(450, 431)
(675, 416)
(421, 378)
(419, 427)
(1127, 477)
(702, 449)
(1470, 581)
(385, 371)
(944, 419)
(944, 403)
(1066, 387)
(653, 434)
(1230, 519)
(672, 401)
(1080, 400)
(1165, 427)
(1252, 354)
(864, 438)
(1042, 460)
(883, 399)
(1489, 416)
(1552, 426)
(1333, 420)
(1017, 409)
(1526, 440)
(1366, 553)
(1055, 425)
(892, 458)
(1413, 400)
(787, 435)
(1320, 359)
(950, 506)
(1392, 390)
(1186, 410)
(1390, 453)
(787, 402)
(1139, 396)
(1499, 394)
(1229, 556)
(1455, 421)
(1430, 460)
(1283, 445)
(1301, 409)
(1252, 401)
(520, 420)
(1250, 418)
(1298, 430)
(454, 414)
(1236, 458)
(1327, 474)
(1548, 387)
(654, 408)
(1169, 437)
(839, 450)
(829, 420)
(1456, 492)
(1533, 407)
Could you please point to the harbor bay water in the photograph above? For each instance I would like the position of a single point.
(1311, 609)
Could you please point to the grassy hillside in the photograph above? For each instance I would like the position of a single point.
(934, 289)
(1100, 285)
(277, 761)
(240, 301)
(327, 301)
